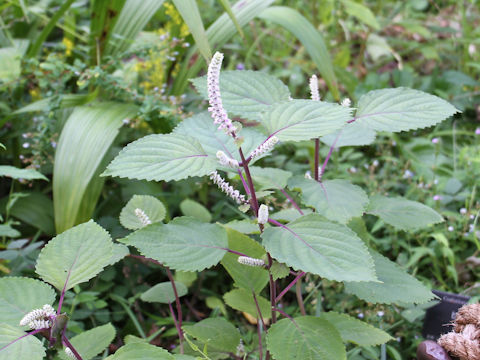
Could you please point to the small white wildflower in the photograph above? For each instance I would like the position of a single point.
(263, 214)
(380, 313)
(314, 88)
(360, 316)
(216, 109)
(451, 228)
(264, 148)
(144, 219)
(224, 160)
(308, 174)
(70, 353)
(240, 348)
(49, 310)
(472, 217)
(245, 260)
(39, 318)
(346, 102)
(409, 174)
(26, 145)
(353, 169)
(227, 189)
(39, 324)
(463, 211)
(375, 163)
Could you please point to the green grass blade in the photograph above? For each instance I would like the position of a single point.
(228, 10)
(188, 9)
(313, 41)
(83, 144)
(37, 44)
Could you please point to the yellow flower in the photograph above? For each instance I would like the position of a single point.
(68, 46)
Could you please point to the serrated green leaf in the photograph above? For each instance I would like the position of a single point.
(141, 351)
(119, 251)
(299, 120)
(151, 206)
(289, 214)
(269, 178)
(337, 200)
(242, 300)
(314, 245)
(401, 109)
(19, 296)
(16, 173)
(163, 292)
(361, 12)
(247, 277)
(217, 333)
(356, 331)
(75, 256)
(8, 231)
(202, 128)
(246, 93)
(307, 338)
(27, 348)
(161, 157)
(91, 342)
(402, 213)
(243, 226)
(196, 210)
(279, 270)
(398, 286)
(353, 134)
(184, 244)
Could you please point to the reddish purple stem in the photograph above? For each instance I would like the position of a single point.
(295, 205)
(21, 337)
(289, 286)
(70, 346)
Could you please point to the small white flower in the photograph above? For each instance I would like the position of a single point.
(227, 189)
(240, 348)
(380, 313)
(224, 160)
(264, 148)
(314, 88)
(451, 228)
(263, 214)
(246, 260)
(375, 163)
(360, 316)
(346, 102)
(463, 211)
(70, 353)
(308, 174)
(142, 216)
(39, 318)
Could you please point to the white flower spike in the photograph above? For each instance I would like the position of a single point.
(246, 260)
(144, 219)
(224, 160)
(70, 353)
(219, 114)
(263, 214)
(314, 88)
(227, 189)
(264, 148)
(346, 102)
(39, 318)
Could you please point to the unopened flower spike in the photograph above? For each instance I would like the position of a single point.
(227, 188)
(264, 148)
(70, 353)
(142, 216)
(346, 102)
(224, 160)
(263, 214)
(216, 109)
(39, 318)
(314, 88)
(246, 260)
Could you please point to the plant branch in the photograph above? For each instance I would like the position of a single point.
(253, 199)
(179, 307)
(259, 333)
(260, 316)
(298, 290)
(273, 289)
(289, 198)
(177, 326)
(289, 286)
(70, 346)
(317, 160)
(21, 337)
(329, 155)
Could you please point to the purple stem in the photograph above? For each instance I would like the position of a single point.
(21, 337)
(295, 205)
(273, 289)
(289, 286)
(70, 346)
(259, 333)
(329, 154)
(258, 311)
(253, 198)
(177, 326)
(245, 186)
(317, 160)
(179, 307)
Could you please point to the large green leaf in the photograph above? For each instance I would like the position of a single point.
(195, 209)
(82, 147)
(298, 120)
(216, 332)
(310, 37)
(132, 19)
(202, 128)
(66, 101)
(19, 296)
(314, 245)
(270, 178)
(75, 256)
(396, 285)
(337, 200)
(91, 342)
(163, 292)
(162, 157)
(141, 351)
(191, 15)
(36, 209)
(218, 34)
(151, 206)
(353, 134)
(401, 109)
(246, 93)
(247, 277)
(184, 244)
(243, 300)
(402, 213)
(305, 337)
(356, 331)
(361, 12)
(28, 347)
(16, 173)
